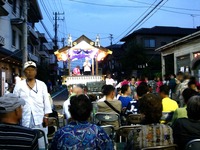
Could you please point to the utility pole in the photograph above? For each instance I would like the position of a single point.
(56, 29)
(24, 31)
(111, 38)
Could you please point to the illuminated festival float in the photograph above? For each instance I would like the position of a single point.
(82, 48)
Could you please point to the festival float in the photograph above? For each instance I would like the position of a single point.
(83, 47)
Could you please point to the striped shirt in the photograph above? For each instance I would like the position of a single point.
(16, 137)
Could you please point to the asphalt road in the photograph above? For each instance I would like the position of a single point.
(60, 97)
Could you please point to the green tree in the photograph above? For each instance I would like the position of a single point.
(134, 56)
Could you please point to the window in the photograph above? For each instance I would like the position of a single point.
(14, 6)
(13, 37)
(149, 43)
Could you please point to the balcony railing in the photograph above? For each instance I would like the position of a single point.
(32, 31)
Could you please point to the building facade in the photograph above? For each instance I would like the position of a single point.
(13, 39)
(151, 39)
(182, 55)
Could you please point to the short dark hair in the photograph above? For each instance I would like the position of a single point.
(151, 106)
(188, 93)
(80, 107)
(107, 89)
(124, 88)
(164, 89)
(142, 89)
(193, 108)
(191, 82)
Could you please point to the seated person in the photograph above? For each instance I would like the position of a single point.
(76, 71)
(132, 107)
(125, 98)
(168, 104)
(77, 89)
(109, 93)
(187, 129)
(151, 133)
(80, 134)
(12, 135)
(181, 112)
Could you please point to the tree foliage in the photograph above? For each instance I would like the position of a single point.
(133, 57)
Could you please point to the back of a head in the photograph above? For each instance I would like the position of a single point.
(188, 93)
(164, 89)
(107, 89)
(80, 107)
(186, 76)
(151, 106)
(142, 89)
(124, 88)
(193, 108)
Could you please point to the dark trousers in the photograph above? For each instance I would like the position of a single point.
(87, 73)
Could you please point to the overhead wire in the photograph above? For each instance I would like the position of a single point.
(136, 20)
(106, 5)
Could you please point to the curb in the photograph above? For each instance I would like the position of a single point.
(57, 93)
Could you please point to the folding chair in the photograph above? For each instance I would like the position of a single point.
(193, 145)
(108, 118)
(109, 129)
(41, 134)
(166, 147)
(53, 125)
(134, 119)
(122, 133)
(166, 117)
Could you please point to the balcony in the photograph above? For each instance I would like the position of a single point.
(2, 41)
(43, 54)
(3, 11)
(33, 57)
(32, 31)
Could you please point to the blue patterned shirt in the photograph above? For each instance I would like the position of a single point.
(81, 136)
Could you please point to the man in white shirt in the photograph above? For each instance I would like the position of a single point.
(34, 92)
(75, 91)
(17, 78)
(87, 67)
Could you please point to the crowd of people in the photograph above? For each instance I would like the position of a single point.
(152, 99)
(28, 108)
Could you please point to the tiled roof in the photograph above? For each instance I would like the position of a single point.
(162, 30)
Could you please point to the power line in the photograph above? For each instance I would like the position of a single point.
(136, 20)
(46, 11)
(106, 5)
(180, 8)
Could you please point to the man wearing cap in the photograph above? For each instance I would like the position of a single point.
(34, 92)
(12, 135)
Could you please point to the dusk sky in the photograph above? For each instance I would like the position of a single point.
(117, 17)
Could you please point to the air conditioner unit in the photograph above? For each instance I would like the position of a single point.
(2, 2)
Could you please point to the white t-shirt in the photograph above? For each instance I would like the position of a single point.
(37, 102)
(87, 66)
(17, 79)
(110, 81)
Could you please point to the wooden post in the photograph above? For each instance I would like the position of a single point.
(92, 66)
(97, 67)
(69, 66)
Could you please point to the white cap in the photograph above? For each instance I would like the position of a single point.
(28, 64)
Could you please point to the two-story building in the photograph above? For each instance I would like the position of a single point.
(12, 39)
(150, 39)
